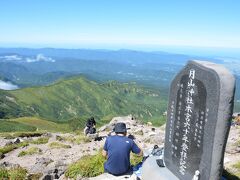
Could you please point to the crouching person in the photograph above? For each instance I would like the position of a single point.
(90, 127)
(117, 150)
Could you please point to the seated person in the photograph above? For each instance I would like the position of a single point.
(117, 149)
(90, 126)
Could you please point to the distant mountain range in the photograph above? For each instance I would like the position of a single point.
(36, 67)
(79, 97)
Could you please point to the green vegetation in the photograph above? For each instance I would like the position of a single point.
(30, 124)
(87, 166)
(78, 139)
(3, 173)
(159, 121)
(229, 175)
(135, 159)
(41, 124)
(67, 100)
(9, 126)
(36, 176)
(92, 165)
(17, 173)
(41, 140)
(11, 147)
(237, 169)
(233, 172)
(57, 145)
(30, 151)
(22, 134)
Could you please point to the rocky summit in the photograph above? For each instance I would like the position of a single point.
(52, 153)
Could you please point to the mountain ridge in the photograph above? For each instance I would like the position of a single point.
(78, 96)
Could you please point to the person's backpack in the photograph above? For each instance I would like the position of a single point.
(92, 130)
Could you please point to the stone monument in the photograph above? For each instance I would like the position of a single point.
(198, 122)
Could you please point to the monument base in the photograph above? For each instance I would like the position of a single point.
(150, 170)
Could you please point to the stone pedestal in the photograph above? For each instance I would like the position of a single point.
(151, 171)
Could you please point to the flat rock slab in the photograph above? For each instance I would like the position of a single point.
(152, 171)
(107, 176)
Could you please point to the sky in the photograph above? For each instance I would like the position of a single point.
(120, 23)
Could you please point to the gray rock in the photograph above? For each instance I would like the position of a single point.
(8, 143)
(48, 177)
(43, 161)
(17, 141)
(2, 155)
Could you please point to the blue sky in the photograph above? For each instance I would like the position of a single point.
(120, 23)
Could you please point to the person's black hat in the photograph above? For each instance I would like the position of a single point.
(120, 128)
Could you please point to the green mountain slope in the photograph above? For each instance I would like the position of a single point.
(78, 97)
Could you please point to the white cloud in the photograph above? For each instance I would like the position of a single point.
(7, 85)
(40, 57)
(11, 58)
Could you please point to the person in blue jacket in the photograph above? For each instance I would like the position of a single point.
(117, 149)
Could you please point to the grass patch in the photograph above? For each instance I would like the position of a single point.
(158, 121)
(232, 173)
(41, 140)
(92, 165)
(22, 134)
(237, 169)
(36, 176)
(30, 151)
(57, 145)
(135, 159)
(74, 139)
(237, 143)
(9, 126)
(41, 124)
(9, 148)
(17, 173)
(229, 175)
(87, 166)
(4, 173)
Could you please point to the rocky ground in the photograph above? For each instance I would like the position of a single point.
(232, 153)
(53, 162)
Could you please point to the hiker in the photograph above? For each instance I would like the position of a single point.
(90, 126)
(117, 149)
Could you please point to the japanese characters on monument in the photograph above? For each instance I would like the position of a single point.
(188, 114)
(171, 122)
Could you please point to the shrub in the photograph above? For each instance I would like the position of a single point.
(30, 151)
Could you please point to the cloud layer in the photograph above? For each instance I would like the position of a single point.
(40, 57)
(37, 58)
(7, 85)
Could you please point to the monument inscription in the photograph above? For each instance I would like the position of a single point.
(199, 112)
